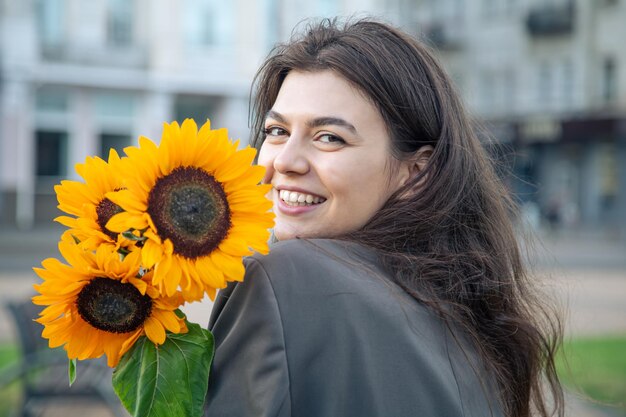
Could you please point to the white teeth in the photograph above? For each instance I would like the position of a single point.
(296, 199)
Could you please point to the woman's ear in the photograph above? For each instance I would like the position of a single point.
(416, 164)
(422, 157)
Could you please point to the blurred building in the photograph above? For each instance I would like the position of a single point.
(549, 79)
(78, 77)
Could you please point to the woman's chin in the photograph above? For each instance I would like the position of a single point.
(288, 232)
(281, 234)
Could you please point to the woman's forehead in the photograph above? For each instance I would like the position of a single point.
(323, 94)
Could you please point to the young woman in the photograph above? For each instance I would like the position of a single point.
(397, 287)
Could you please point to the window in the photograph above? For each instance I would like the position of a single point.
(609, 80)
(117, 105)
(114, 115)
(509, 90)
(567, 84)
(50, 22)
(209, 23)
(498, 88)
(544, 85)
(110, 141)
(51, 100)
(198, 108)
(51, 153)
(120, 22)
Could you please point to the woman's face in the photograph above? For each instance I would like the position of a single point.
(327, 154)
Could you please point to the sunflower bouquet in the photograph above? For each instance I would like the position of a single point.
(164, 225)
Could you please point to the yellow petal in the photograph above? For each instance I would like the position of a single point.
(235, 247)
(75, 256)
(151, 253)
(174, 276)
(204, 131)
(215, 151)
(168, 319)
(231, 266)
(162, 274)
(128, 343)
(211, 293)
(209, 273)
(66, 221)
(236, 165)
(124, 221)
(154, 330)
(261, 220)
(250, 178)
(53, 312)
(112, 348)
(142, 286)
(127, 200)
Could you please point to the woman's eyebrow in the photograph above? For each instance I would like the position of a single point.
(276, 116)
(317, 122)
(329, 120)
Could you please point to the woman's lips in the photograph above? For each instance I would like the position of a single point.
(293, 202)
(299, 199)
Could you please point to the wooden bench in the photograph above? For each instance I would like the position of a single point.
(43, 372)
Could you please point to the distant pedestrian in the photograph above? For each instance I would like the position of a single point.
(553, 214)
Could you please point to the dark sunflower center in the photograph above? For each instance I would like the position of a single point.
(113, 306)
(189, 207)
(105, 210)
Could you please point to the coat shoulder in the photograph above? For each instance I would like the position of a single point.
(320, 264)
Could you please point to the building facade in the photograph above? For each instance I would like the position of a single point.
(78, 77)
(548, 77)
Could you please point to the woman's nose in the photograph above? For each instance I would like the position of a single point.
(292, 158)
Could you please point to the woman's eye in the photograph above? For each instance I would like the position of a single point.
(275, 131)
(328, 138)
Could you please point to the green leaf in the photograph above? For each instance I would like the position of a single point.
(170, 380)
(71, 370)
(130, 236)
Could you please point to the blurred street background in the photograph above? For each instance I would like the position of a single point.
(545, 79)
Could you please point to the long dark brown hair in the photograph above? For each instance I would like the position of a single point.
(451, 244)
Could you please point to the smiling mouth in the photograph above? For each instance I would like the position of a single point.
(296, 199)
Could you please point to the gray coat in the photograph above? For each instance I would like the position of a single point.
(317, 329)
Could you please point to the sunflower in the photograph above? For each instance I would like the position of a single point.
(198, 204)
(87, 201)
(98, 305)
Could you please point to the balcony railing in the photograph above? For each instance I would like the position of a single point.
(129, 57)
(550, 20)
